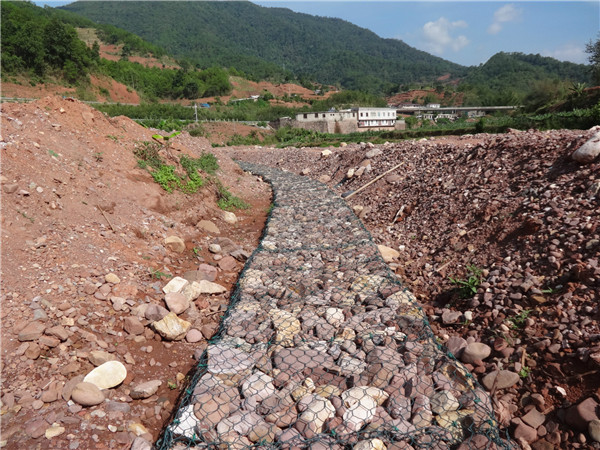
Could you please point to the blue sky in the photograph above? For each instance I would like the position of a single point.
(467, 32)
(470, 32)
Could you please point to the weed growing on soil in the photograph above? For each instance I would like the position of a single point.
(158, 274)
(518, 321)
(468, 287)
(53, 153)
(227, 201)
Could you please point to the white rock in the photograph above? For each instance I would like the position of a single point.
(177, 284)
(355, 394)
(326, 153)
(370, 444)
(258, 385)
(186, 423)
(228, 217)
(107, 375)
(171, 327)
(317, 412)
(335, 316)
(359, 412)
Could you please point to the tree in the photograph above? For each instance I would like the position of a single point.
(593, 48)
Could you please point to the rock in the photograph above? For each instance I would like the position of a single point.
(58, 332)
(287, 327)
(175, 244)
(171, 327)
(388, 253)
(589, 151)
(155, 312)
(99, 357)
(194, 335)
(36, 428)
(355, 395)
(326, 153)
(54, 430)
(334, 316)
(324, 178)
(534, 418)
(370, 444)
(476, 351)
(177, 302)
(209, 288)
(133, 325)
(314, 416)
(594, 429)
(227, 264)
(176, 284)
(87, 394)
(525, 432)
(32, 331)
(214, 248)
(580, 415)
(503, 379)
(294, 360)
(112, 278)
(258, 385)
(186, 423)
(139, 443)
(211, 409)
(449, 316)
(373, 153)
(208, 226)
(228, 217)
(456, 345)
(444, 401)
(226, 360)
(359, 410)
(145, 390)
(107, 375)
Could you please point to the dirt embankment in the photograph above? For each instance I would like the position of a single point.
(85, 256)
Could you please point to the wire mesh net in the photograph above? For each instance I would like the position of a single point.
(322, 347)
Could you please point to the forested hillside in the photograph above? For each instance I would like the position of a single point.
(273, 42)
(43, 43)
(508, 78)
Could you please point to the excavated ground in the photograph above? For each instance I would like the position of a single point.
(77, 210)
(517, 208)
(323, 347)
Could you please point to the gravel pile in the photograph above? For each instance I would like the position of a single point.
(520, 216)
(323, 347)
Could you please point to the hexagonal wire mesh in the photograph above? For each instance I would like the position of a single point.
(323, 348)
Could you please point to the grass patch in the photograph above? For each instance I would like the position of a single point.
(167, 175)
(227, 201)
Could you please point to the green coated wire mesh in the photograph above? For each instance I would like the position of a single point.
(323, 348)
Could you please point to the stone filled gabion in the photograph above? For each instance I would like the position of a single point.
(323, 348)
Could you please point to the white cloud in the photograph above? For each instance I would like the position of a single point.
(568, 52)
(505, 14)
(437, 36)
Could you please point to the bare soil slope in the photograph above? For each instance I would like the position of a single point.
(84, 253)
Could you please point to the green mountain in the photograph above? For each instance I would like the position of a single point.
(273, 42)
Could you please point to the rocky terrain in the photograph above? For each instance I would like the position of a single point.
(90, 242)
(324, 348)
(513, 220)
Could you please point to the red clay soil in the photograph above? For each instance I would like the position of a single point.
(76, 207)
